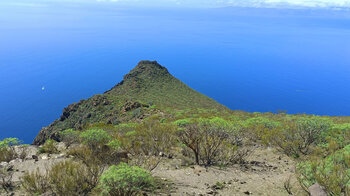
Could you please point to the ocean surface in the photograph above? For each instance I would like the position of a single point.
(257, 60)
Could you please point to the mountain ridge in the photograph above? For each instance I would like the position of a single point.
(147, 89)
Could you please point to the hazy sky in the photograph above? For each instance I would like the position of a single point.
(248, 3)
(200, 3)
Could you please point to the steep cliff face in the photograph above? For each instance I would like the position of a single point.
(146, 85)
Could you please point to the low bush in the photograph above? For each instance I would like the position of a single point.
(36, 182)
(72, 178)
(212, 141)
(8, 142)
(337, 137)
(70, 136)
(298, 136)
(150, 138)
(190, 137)
(125, 180)
(49, 147)
(64, 178)
(7, 154)
(7, 150)
(95, 139)
(258, 128)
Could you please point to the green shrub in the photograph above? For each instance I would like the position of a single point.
(7, 151)
(297, 137)
(260, 121)
(125, 127)
(150, 138)
(310, 131)
(7, 142)
(95, 138)
(70, 136)
(114, 145)
(101, 146)
(125, 180)
(48, 147)
(337, 137)
(259, 128)
(182, 122)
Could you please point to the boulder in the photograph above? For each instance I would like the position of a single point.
(45, 157)
(61, 146)
(198, 169)
(60, 156)
(317, 190)
(17, 160)
(4, 164)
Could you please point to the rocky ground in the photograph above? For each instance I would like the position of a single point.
(267, 172)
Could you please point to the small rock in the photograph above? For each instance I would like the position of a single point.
(45, 157)
(10, 168)
(60, 156)
(210, 192)
(198, 169)
(60, 146)
(247, 193)
(4, 164)
(317, 190)
(35, 157)
(15, 161)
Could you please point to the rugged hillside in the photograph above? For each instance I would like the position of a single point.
(148, 88)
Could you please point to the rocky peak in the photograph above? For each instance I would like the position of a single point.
(147, 69)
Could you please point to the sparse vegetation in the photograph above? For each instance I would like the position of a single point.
(36, 182)
(64, 178)
(72, 178)
(210, 140)
(95, 138)
(150, 138)
(70, 136)
(6, 180)
(7, 149)
(331, 172)
(49, 147)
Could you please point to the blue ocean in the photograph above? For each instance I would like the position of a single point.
(251, 59)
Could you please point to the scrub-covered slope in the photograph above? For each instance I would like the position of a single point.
(147, 88)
